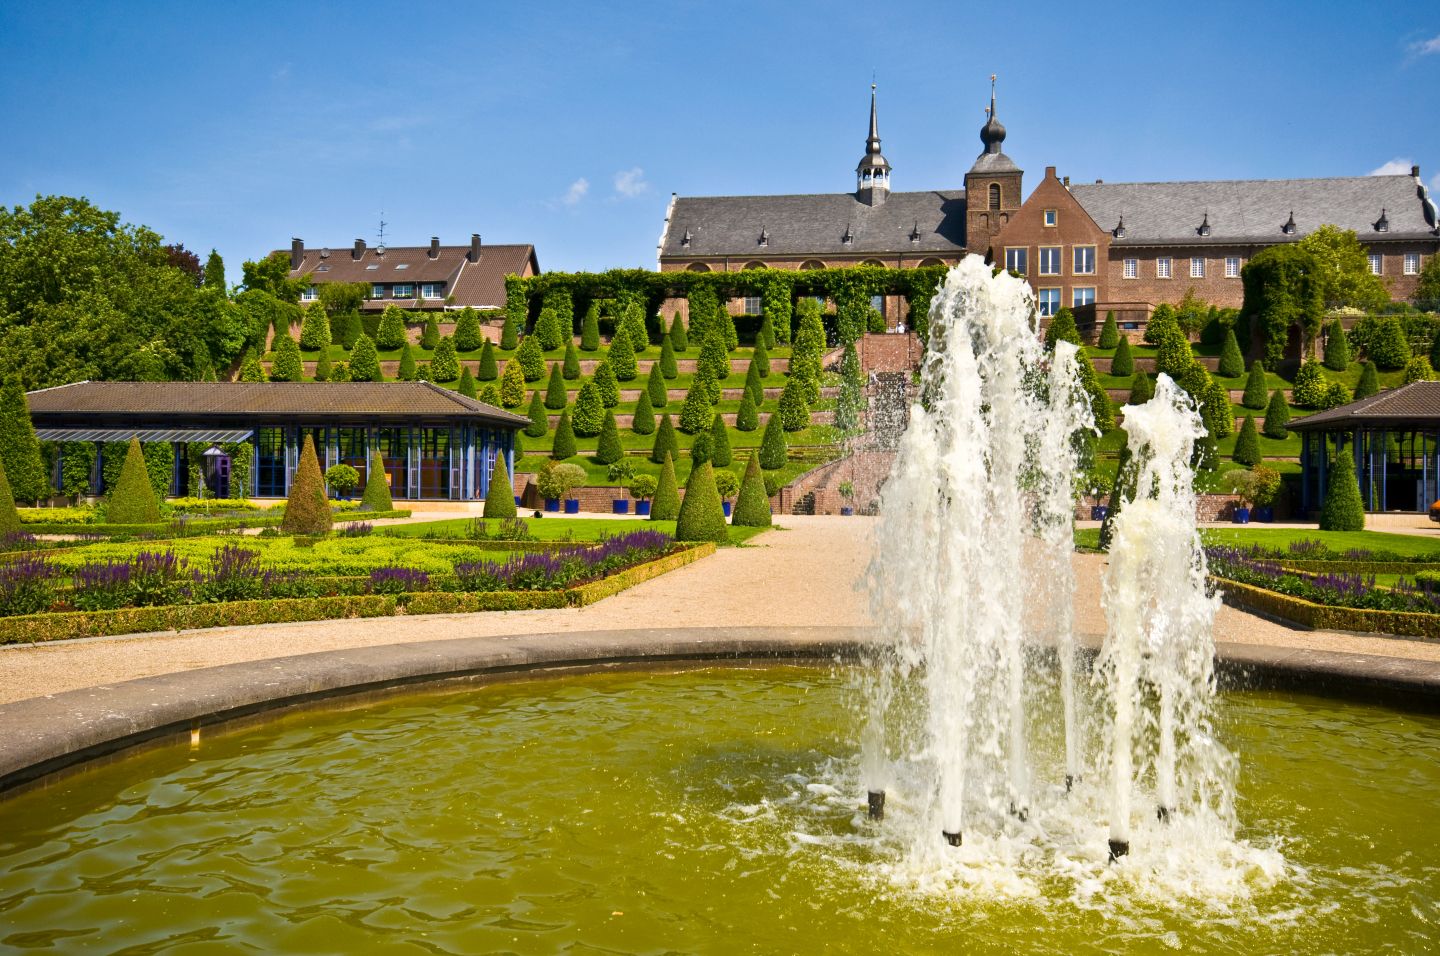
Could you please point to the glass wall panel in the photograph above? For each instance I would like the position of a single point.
(394, 445)
(434, 462)
(350, 443)
(270, 462)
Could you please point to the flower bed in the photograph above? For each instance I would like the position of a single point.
(1336, 589)
(1320, 617)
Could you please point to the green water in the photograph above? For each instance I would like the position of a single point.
(702, 811)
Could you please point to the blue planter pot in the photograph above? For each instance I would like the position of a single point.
(726, 505)
(1265, 514)
(517, 501)
(552, 504)
(1241, 516)
(1098, 512)
(846, 510)
(620, 506)
(572, 506)
(642, 507)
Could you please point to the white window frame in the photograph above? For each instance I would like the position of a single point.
(1232, 267)
(1024, 252)
(1075, 253)
(309, 295)
(751, 304)
(430, 290)
(1059, 254)
(1041, 300)
(1051, 218)
(401, 265)
(377, 290)
(1164, 267)
(1132, 269)
(1197, 267)
(1412, 264)
(403, 290)
(1075, 295)
(1377, 263)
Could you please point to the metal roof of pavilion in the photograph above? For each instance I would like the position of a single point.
(1415, 404)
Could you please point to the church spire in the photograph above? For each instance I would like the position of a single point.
(992, 134)
(872, 175)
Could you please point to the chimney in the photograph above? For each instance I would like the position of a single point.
(1066, 181)
(297, 253)
(359, 250)
(1049, 172)
(434, 247)
(1415, 171)
(474, 254)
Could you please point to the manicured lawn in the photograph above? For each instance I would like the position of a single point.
(554, 528)
(338, 353)
(814, 435)
(1407, 544)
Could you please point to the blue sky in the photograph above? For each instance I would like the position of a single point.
(236, 126)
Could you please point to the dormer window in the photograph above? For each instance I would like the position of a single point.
(764, 236)
(1289, 227)
(1204, 229)
(849, 237)
(1119, 231)
(1383, 223)
(685, 239)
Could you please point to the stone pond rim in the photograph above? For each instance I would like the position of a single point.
(44, 735)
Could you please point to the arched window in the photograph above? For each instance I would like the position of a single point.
(754, 265)
(932, 261)
(812, 264)
(697, 267)
(994, 195)
(873, 262)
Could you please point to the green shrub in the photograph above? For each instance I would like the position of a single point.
(725, 322)
(1062, 329)
(307, 510)
(19, 448)
(1435, 341)
(251, 370)
(760, 359)
(490, 394)
(564, 445)
(1255, 387)
(679, 336)
(605, 384)
(696, 412)
(391, 333)
(376, 496)
(655, 388)
(1100, 407)
(467, 383)
(549, 331)
(621, 357)
(752, 508)
(345, 328)
(702, 516)
(668, 367)
(1418, 370)
(701, 447)
(720, 452)
(571, 369)
(1310, 385)
(406, 372)
(1369, 383)
(556, 397)
(643, 487)
(1337, 347)
(500, 497)
(726, 483)
(1277, 417)
(1142, 389)
(286, 367)
(1109, 332)
(488, 371)
(1389, 347)
(1123, 364)
(643, 422)
(556, 481)
(322, 367)
(1247, 444)
(609, 450)
(774, 448)
(343, 478)
(666, 506)
(530, 358)
(590, 329)
(589, 411)
(666, 443)
(754, 387)
(510, 332)
(9, 514)
(539, 425)
(340, 373)
(747, 419)
(1232, 363)
(132, 500)
(794, 412)
(714, 359)
(1343, 509)
(430, 333)
(445, 366)
(315, 329)
(1162, 322)
(468, 336)
(512, 386)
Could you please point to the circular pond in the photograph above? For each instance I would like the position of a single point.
(698, 811)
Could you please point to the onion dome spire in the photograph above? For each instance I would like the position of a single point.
(992, 134)
(872, 175)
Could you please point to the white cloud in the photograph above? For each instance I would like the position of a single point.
(281, 73)
(577, 191)
(1426, 47)
(1396, 167)
(630, 183)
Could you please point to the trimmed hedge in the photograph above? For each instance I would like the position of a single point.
(1408, 568)
(1320, 617)
(598, 590)
(452, 602)
(198, 525)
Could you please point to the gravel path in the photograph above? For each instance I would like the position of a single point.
(807, 572)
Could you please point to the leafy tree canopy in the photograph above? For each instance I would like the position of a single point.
(1344, 272)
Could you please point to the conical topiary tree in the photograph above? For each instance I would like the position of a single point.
(1369, 383)
(571, 369)
(747, 419)
(752, 506)
(445, 366)
(132, 501)
(655, 388)
(1418, 370)
(714, 359)
(753, 386)
(564, 446)
(307, 510)
(512, 386)
(1343, 510)
(700, 448)
(19, 448)
(251, 370)
(1247, 444)
(1232, 363)
(322, 366)
(9, 514)
(774, 448)
(794, 413)
(489, 394)
(1123, 364)
(1062, 329)
(430, 333)
(539, 425)
(391, 333)
(1277, 417)
(467, 334)
(765, 335)
(760, 359)
(643, 421)
(720, 452)
(406, 372)
(488, 371)
(668, 368)
(621, 357)
(702, 516)
(1142, 389)
(1255, 388)
(1109, 332)
(376, 496)
(467, 383)
(286, 367)
(500, 496)
(556, 397)
(606, 385)
(1337, 347)
(315, 329)
(665, 506)
(679, 337)
(549, 331)
(510, 332)
(590, 329)
(608, 449)
(589, 413)
(666, 441)
(695, 413)
(531, 359)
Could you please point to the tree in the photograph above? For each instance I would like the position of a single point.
(1283, 289)
(702, 516)
(315, 329)
(391, 334)
(695, 413)
(342, 478)
(1162, 322)
(632, 321)
(345, 328)
(512, 385)
(589, 411)
(571, 368)
(9, 514)
(714, 359)
(666, 504)
(1337, 348)
(720, 452)
(754, 387)
(621, 357)
(1109, 332)
(251, 370)
(548, 330)
(752, 507)
(509, 333)
(489, 394)
(774, 448)
(643, 421)
(286, 367)
(213, 277)
(760, 358)
(807, 352)
(605, 384)
(1389, 347)
(1123, 364)
(430, 333)
(467, 383)
(1062, 329)
(530, 358)
(132, 500)
(1255, 386)
(307, 510)
(666, 441)
(1310, 385)
(655, 388)
(1142, 389)
(794, 412)
(500, 496)
(564, 445)
(1418, 370)
(556, 397)
(1232, 363)
(590, 329)
(445, 367)
(1277, 417)
(679, 336)
(1344, 272)
(365, 361)
(668, 368)
(1343, 510)
(539, 425)
(487, 371)
(765, 335)
(1247, 444)
(322, 366)
(19, 448)
(1427, 289)
(376, 496)
(1369, 383)
(608, 449)
(406, 372)
(468, 336)
(748, 418)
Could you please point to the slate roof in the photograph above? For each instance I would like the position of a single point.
(480, 285)
(1256, 210)
(815, 224)
(1418, 402)
(96, 403)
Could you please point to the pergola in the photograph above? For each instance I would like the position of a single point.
(1394, 439)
